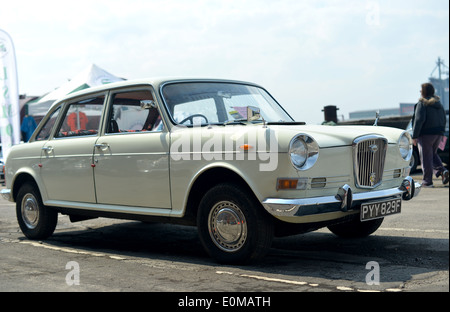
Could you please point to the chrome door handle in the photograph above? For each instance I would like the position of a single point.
(102, 145)
(48, 149)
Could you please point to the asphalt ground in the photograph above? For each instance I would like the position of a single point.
(411, 250)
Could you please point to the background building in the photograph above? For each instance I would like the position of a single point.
(407, 109)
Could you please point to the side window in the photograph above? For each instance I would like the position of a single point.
(133, 112)
(45, 131)
(82, 118)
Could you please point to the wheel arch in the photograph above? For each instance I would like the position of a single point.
(208, 179)
(21, 179)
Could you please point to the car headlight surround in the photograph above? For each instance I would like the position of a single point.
(405, 145)
(303, 152)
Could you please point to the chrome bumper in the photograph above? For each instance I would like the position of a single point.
(343, 201)
(6, 194)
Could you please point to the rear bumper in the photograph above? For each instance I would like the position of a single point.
(343, 201)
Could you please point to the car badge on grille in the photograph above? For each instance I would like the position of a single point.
(373, 148)
(373, 178)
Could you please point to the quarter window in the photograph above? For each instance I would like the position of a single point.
(46, 130)
(82, 118)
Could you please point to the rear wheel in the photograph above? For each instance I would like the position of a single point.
(356, 228)
(232, 226)
(35, 220)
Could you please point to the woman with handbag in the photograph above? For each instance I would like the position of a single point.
(428, 130)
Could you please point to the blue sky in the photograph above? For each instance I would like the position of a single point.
(355, 54)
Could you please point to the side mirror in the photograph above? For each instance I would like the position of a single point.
(147, 104)
(253, 113)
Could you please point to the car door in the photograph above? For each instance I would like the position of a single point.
(66, 159)
(131, 159)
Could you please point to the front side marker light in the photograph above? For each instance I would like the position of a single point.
(245, 147)
(292, 184)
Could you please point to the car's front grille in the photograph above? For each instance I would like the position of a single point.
(369, 153)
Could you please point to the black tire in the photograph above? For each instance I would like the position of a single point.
(356, 228)
(35, 220)
(233, 227)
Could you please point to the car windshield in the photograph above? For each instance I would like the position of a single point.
(201, 103)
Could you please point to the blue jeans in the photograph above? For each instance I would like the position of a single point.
(431, 162)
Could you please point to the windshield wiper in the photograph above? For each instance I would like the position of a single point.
(293, 123)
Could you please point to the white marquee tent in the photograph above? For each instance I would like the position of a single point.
(90, 77)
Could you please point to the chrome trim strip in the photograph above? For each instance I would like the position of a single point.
(144, 211)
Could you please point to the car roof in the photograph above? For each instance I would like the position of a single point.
(156, 82)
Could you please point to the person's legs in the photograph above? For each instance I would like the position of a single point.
(426, 151)
(438, 167)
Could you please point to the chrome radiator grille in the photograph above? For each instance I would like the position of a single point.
(369, 154)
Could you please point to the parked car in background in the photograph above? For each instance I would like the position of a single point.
(415, 158)
(218, 154)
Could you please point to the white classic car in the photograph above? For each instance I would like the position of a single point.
(222, 155)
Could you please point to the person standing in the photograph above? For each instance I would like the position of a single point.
(28, 126)
(428, 130)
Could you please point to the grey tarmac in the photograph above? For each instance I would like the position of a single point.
(409, 253)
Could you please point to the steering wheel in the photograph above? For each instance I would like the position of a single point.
(191, 118)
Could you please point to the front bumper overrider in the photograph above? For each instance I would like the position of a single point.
(343, 201)
(6, 194)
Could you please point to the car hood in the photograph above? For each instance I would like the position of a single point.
(281, 135)
(330, 136)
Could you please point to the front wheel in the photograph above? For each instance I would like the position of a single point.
(356, 228)
(35, 220)
(232, 226)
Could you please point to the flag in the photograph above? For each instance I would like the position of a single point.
(9, 95)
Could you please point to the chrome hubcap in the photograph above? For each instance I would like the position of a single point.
(227, 226)
(30, 211)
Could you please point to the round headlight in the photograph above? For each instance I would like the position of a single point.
(405, 146)
(303, 152)
(299, 153)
